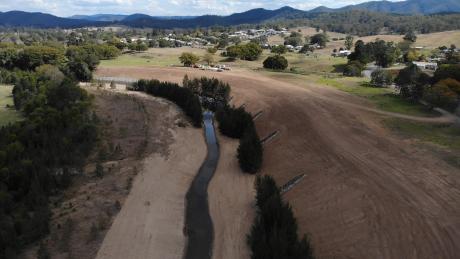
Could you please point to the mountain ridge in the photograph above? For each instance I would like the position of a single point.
(253, 16)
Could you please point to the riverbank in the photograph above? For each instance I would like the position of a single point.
(150, 223)
(231, 202)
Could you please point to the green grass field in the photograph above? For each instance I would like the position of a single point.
(7, 115)
(440, 134)
(383, 98)
(153, 57)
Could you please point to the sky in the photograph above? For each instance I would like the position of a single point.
(161, 7)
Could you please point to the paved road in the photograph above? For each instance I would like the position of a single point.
(198, 221)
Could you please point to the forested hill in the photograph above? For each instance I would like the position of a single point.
(319, 15)
(41, 20)
(401, 7)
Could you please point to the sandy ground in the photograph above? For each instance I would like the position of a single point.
(134, 127)
(150, 224)
(231, 202)
(367, 193)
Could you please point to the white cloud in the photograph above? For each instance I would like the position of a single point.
(161, 7)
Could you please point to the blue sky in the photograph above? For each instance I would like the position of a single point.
(161, 7)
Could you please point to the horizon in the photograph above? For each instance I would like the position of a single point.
(170, 8)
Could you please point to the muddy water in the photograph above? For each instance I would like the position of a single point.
(198, 221)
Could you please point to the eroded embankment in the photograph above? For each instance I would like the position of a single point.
(150, 223)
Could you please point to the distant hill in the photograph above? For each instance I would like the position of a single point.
(124, 17)
(24, 19)
(100, 17)
(40, 20)
(249, 17)
(402, 7)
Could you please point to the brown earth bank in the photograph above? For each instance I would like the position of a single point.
(150, 223)
(231, 204)
(138, 132)
(367, 193)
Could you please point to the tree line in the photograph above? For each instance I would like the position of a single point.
(39, 154)
(74, 61)
(363, 23)
(213, 92)
(442, 90)
(238, 123)
(383, 53)
(250, 51)
(183, 97)
(274, 231)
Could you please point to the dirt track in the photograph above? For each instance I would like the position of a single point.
(367, 194)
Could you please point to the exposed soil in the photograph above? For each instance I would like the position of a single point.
(231, 202)
(139, 132)
(366, 194)
(151, 221)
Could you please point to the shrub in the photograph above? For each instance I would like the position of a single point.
(445, 94)
(320, 39)
(352, 70)
(183, 97)
(447, 71)
(276, 62)
(250, 51)
(237, 123)
(381, 78)
(188, 59)
(233, 122)
(250, 151)
(280, 49)
(274, 232)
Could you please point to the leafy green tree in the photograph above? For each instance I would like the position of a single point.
(250, 51)
(447, 71)
(138, 46)
(233, 122)
(445, 94)
(208, 58)
(188, 59)
(163, 43)
(385, 53)
(276, 62)
(306, 48)
(280, 49)
(410, 36)
(353, 68)
(212, 50)
(381, 78)
(349, 42)
(250, 152)
(232, 52)
(293, 41)
(412, 82)
(79, 70)
(320, 39)
(274, 232)
(34, 56)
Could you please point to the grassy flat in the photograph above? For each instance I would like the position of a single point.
(440, 134)
(7, 114)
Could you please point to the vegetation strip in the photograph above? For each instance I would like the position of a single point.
(274, 232)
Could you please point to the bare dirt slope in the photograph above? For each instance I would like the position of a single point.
(150, 223)
(130, 128)
(367, 194)
(231, 203)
